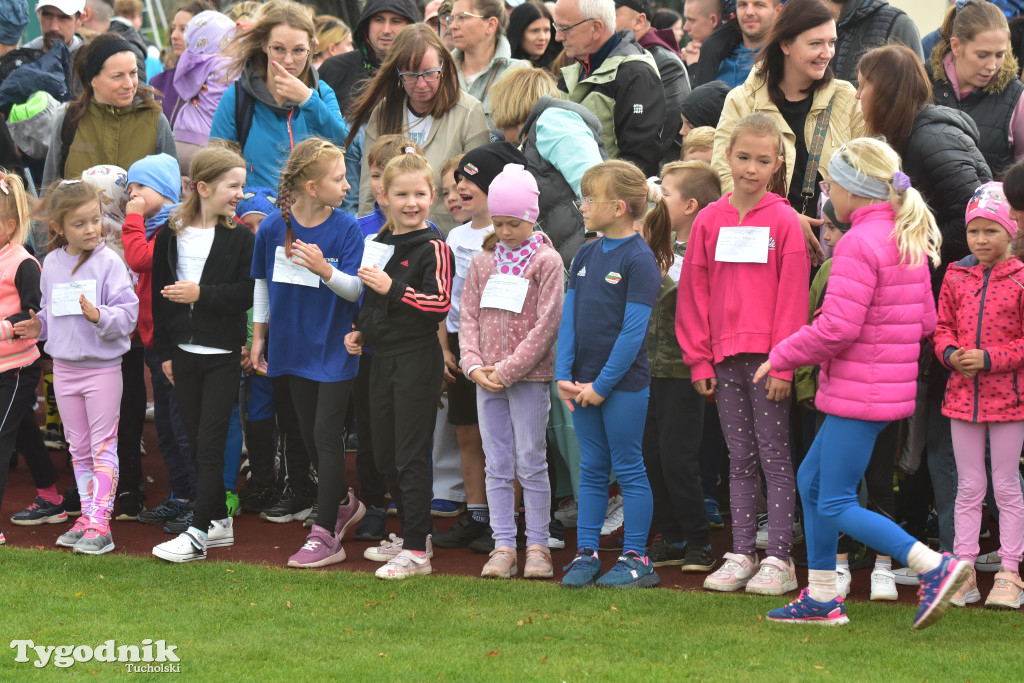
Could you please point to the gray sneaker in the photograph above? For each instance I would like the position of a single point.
(69, 538)
(95, 542)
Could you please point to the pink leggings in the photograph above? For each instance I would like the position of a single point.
(1005, 441)
(89, 400)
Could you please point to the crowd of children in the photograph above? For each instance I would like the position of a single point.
(685, 295)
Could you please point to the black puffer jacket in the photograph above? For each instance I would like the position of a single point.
(867, 24)
(717, 47)
(941, 157)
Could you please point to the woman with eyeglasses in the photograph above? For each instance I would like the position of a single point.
(278, 100)
(416, 92)
(482, 52)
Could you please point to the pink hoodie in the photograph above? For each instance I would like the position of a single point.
(868, 336)
(520, 346)
(725, 309)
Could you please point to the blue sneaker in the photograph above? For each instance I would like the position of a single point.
(440, 507)
(714, 514)
(806, 610)
(392, 510)
(937, 588)
(583, 569)
(630, 571)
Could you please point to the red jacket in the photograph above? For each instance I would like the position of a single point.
(984, 309)
(138, 253)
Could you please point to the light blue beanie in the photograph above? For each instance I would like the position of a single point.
(160, 172)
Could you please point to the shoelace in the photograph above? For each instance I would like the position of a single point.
(311, 544)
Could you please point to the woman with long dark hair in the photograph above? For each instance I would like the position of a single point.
(531, 33)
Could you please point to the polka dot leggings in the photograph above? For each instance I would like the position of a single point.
(756, 428)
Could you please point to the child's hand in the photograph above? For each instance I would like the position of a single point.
(706, 387)
(762, 371)
(29, 329)
(778, 389)
(587, 395)
(375, 278)
(567, 391)
(451, 367)
(973, 360)
(135, 205)
(258, 355)
(247, 362)
(493, 378)
(810, 227)
(956, 359)
(482, 378)
(353, 343)
(91, 313)
(312, 259)
(181, 292)
(168, 367)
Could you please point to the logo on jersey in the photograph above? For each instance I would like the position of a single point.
(612, 278)
(638, 109)
(583, 272)
(405, 263)
(470, 169)
(771, 242)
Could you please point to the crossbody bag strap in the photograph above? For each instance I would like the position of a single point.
(814, 154)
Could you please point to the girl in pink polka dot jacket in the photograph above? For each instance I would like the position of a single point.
(511, 310)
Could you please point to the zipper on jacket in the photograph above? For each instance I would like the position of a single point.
(977, 340)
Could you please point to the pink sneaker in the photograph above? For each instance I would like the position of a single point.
(349, 515)
(775, 577)
(734, 573)
(1007, 591)
(403, 565)
(390, 549)
(320, 550)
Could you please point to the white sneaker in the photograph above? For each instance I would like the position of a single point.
(733, 575)
(222, 534)
(555, 543)
(905, 576)
(186, 547)
(390, 548)
(989, 562)
(567, 513)
(761, 540)
(404, 565)
(613, 517)
(774, 577)
(843, 580)
(883, 585)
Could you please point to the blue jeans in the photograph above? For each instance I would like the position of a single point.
(170, 433)
(610, 437)
(828, 481)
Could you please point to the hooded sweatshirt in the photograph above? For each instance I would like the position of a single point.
(276, 129)
(344, 72)
(725, 309)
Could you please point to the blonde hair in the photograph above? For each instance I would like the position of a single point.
(14, 204)
(208, 166)
(516, 93)
(759, 123)
(246, 10)
(696, 180)
(702, 136)
(308, 161)
(916, 233)
(387, 147)
(330, 30)
(247, 47)
(406, 164)
(450, 165)
(965, 24)
(63, 198)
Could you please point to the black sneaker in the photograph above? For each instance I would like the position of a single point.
(698, 560)
(663, 554)
(289, 507)
(165, 511)
(485, 544)
(40, 512)
(129, 505)
(374, 525)
(72, 502)
(462, 533)
(256, 499)
(180, 524)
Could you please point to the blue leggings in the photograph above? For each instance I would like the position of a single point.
(610, 437)
(828, 489)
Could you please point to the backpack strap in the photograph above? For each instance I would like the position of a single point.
(67, 136)
(245, 105)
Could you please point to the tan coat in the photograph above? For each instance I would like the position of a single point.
(846, 123)
(461, 129)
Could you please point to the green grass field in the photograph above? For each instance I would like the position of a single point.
(237, 621)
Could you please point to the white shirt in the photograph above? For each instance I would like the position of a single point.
(193, 249)
(419, 128)
(465, 243)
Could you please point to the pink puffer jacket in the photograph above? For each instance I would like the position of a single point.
(983, 311)
(867, 338)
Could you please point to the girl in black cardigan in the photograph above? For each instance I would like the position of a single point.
(201, 292)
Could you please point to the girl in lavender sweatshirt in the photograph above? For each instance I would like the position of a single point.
(507, 347)
(88, 309)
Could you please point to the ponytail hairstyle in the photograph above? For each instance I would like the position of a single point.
(208, 165)
(63, 198)
(759, 123)
(916, 233)
(657, 230)
(14, 204)
(964, 24)
(409, 163)
(388, 147)
(308, 162)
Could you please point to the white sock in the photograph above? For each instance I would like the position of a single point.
(923, 559)
(843, 564)
(883, 564)
(821, 585)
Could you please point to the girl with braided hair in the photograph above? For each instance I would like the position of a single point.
(304, 263)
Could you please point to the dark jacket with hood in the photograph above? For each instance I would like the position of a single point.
(716, 48)
(663, 47)
(346, 71)
(867, 24)
(704, 105)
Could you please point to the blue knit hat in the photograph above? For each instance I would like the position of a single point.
(260, 200)
(159, 172)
